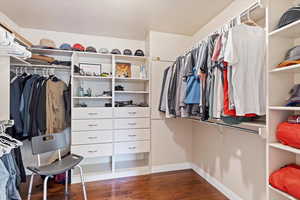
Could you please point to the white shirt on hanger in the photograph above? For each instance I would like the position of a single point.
(245, 52)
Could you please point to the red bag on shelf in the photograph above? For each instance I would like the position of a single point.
(287, 179)
(289, 134)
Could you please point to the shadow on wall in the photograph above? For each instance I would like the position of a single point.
(234, 158)
(171, 141)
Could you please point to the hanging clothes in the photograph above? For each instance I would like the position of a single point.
(55, 106)
(3, 181)
(245, 52)
(162, 101)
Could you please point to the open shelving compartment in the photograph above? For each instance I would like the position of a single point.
(136, 87)
(101, 88)
(280, 81)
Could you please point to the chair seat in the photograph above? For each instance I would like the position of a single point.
(57, 167)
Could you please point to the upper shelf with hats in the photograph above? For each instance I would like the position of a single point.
(48, 47)
(284, 19)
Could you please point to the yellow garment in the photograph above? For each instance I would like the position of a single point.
(55, 106)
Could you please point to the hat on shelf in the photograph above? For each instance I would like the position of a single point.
(139, 53)
(78, 47)
(294, 99)
(45, 44)
(115, 51)
(66, 46)
(104, 50)
(91, 49)
(292, 57)
(290, 16)
(127, 52)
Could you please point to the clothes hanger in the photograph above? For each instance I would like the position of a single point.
(249, 21)
(5, 138)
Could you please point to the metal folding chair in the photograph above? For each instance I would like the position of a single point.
(51, 143)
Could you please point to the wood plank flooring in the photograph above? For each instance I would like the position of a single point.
(178, 185)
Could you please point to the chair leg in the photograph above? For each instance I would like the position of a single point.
(66, 183)
(82, 182)
(45, 188)
(30, 186)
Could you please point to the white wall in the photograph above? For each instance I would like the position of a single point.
(236, 159)
(171, 138)
(98, 42)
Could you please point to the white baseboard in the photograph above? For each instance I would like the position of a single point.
(170, 167)
(219, 186)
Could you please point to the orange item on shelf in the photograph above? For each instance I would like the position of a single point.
(289, 134)
(287, 179)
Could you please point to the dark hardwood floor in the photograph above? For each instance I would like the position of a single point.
(179, 185)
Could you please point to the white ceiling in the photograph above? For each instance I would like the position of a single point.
(129, 19)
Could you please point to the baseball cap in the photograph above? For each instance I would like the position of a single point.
(91, 49)
(294, 99)
(292, 57)
(78, 47)
(65, 46)
(115, 51)
(127, 52)
(103, 50)
(290, 16)
(139, 53)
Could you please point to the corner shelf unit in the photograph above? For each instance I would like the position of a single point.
(280, 81)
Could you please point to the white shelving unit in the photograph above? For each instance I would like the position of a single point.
(280, 81)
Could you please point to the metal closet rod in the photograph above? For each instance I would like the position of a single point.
(228, 126)
(40, 67)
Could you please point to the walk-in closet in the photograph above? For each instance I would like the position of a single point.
(150, 100)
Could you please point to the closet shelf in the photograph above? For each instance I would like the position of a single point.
(132, 165)
(289, 69)
(131, 58)
(92, 77)
(284, 147)
(290, 31)
(130, 79)
(131, 92)
(104, 97)
(52, 52)
(18, 61)
(282, 193)
(284, 108)
(94, 55)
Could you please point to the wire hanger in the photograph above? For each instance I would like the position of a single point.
(249, 21)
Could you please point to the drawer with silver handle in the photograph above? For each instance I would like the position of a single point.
(132, 123)
(96, 150)
(132, 147)
(131, 135)
(91, 137)
(92, 113)
(132, 112)
(91, 125)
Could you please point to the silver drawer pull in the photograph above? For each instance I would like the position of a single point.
(132, 124)
(92, 125)
(92, 113)
(92, 138)
(131, 135)
(93, 151)
(131, 148)
(131, 113)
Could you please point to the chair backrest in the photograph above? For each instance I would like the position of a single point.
(48, 143)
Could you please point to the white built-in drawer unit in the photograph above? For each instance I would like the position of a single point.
(92, 113)
(96, 150)
(92, 137)
(132, 135)
(132, 112)
(132, 147)
(92, 125)
(132, 123)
